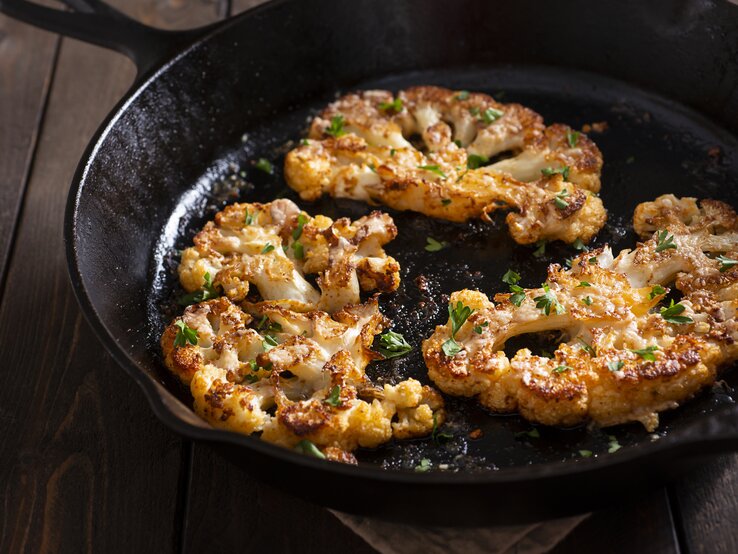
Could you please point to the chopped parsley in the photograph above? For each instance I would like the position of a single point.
(298, 249)
(423, 466)
(266, 324)
(592, 260)
(563, 171)
(726, 263)
(207, 292)
(307, 447)
(265, 165)
(249, 219)
(572, 137)
(393, 345)
(434, 245)
(585, 453)
(392, 152)
(512, 278)
(184, 334)
(579, 245)
(613, 445)
(657, 290)
(478, 329)
(561, 369)
(305, 142)
(433, 169)
(664, 241)
(435, 435)
(548, 301)
(473, 161)
(647, 353)
(559, 199)
(457, 142)
(394, 106)
(490, 115)
(446, 201)
(268, 247)
(451, 347)
(458, 316)
(463, 95)
(301, 221)
(269, 342)
(587, 301)
(533, 434)
(336, 127)
(334, 398)
(671, 314)
(583, 284)
(615, 365)
(540, 250)
(587, 348)
(474, 110)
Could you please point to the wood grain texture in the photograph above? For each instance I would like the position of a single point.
(706, 502)
(27, 56)
(642, 526)
(230, 512)
(85, 466)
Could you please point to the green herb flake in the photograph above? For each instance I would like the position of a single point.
(307, 447)
(592, 260)
(726, 263)
(392, 152)
(561, 369)
(490, 115)
(671, 314)
(587, 301)
(479, 329)
(585, 453)
(268, 247)
(615, 365)
(474, 110)
(451, 348)
(579, 245)
(563, 171)
(559, 201)
(305, 142)
(334, 398)
(392, 345)
(518, 295)
(446, 201)
(613, 445)
(302, 219)
(184, 335)
(584, 284)
(299, 250)
(474, 161)
(336, 127)
(437, 437)
(462, 95)
(657, 290)
(394, 106)
(249, 219)
(511, 277)
(540, 250)
(533, 434)
(458, 315)
(269, 342)
(423, 466)
(548, 301)
(434, 246)
(664, 241)
(587, 348)
(433, 169)
(572, 137)
(207, 292)
(647, 353)
(265, 165)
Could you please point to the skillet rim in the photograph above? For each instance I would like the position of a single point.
(687, 441)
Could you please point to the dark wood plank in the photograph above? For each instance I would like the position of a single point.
(85, 465)
(642, 526)
(706, 506)
(26, 61)
(229, 511)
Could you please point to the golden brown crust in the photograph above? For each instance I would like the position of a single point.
(375, 161)
(609, 310)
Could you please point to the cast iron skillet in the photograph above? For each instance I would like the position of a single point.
(208, 102)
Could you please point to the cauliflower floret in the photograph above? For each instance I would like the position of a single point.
(295, 376)
(624, 358)
(361, 148)
(273, 246)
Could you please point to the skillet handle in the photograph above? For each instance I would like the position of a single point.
(95, 22)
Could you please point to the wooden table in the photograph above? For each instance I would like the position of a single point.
(84, 464)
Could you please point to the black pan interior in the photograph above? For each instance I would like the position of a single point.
(651, 146)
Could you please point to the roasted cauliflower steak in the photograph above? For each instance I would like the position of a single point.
(294, 377)
(274, 246)
(453, 155)
(628, 354)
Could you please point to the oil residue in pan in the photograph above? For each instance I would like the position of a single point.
(650, 147)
